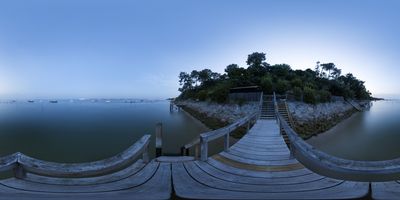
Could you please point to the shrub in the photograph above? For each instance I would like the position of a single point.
(296, 83)
(220, 93)
(202, 95)
(298, 93)
(324, 96)
(266, 84)
(309, 95)
(282, 86)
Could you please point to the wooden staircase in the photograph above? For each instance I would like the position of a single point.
(284, 111)
(267, 109)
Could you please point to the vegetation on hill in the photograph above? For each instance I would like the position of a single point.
(311, 86)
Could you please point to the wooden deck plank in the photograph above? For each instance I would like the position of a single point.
(258, 166)
(386, 190)
(187, 187)
(241, 153)
(233, 157)
(251, 173)
(216, 182)
(158, 186)
(266, 151)
(128, 182)
(280, 158)
(207, 168)
(129, 171)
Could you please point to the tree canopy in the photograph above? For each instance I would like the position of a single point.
(312, 86)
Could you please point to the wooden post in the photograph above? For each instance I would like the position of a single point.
(158, 139)
(171, 107)
(182, 151)
(204, 149)
(291, 149)
(19, 171)
(196, 151)
(145, 154)
(226, 142)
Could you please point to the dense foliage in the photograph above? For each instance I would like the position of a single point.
(311, 86)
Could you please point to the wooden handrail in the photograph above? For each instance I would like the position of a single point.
(340, 168)
(23, 163)
(196, 141)
(225, 131)
(8, 162)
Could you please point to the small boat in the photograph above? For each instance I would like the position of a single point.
(53, 101)
(31, 101)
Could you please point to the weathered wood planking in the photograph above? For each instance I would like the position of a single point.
(22, 163)
(386, 190)
(259, 166)
(153, 181)
(118, 177)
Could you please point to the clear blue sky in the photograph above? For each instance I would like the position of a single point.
(94, 48)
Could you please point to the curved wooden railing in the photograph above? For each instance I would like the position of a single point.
(21, 163)
(201, 143)
(335, 167)
(223, 132)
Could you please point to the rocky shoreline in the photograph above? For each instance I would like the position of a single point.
(226, 113)
(216, 116)
(309, 119)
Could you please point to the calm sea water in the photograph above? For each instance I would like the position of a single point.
(85, 131)
(370, 135)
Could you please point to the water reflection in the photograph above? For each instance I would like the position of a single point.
(370, 135)
(85, 131)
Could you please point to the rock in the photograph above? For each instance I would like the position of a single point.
(224, 112)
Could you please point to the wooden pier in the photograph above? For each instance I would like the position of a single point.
(259, 166)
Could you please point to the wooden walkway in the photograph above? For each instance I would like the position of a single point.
(259, 166)
(386, 190)
(139, 181)
(123, 176)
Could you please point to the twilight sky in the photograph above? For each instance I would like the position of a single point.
(97, 48)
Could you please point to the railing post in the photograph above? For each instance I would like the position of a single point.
(171, 107)
(196, 151)
(226, 141)
(159, 139)
(204, 149)
(291, 149)
(145, 154)
(182, 151)
(19, 171)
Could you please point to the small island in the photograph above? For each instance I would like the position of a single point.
(318, 98)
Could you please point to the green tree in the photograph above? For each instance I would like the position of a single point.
(185, 81)
(309, 95)
(266, 84)
(281, 70)
(257, 67)
(328, 67)
(281, 86)
(298, 93)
